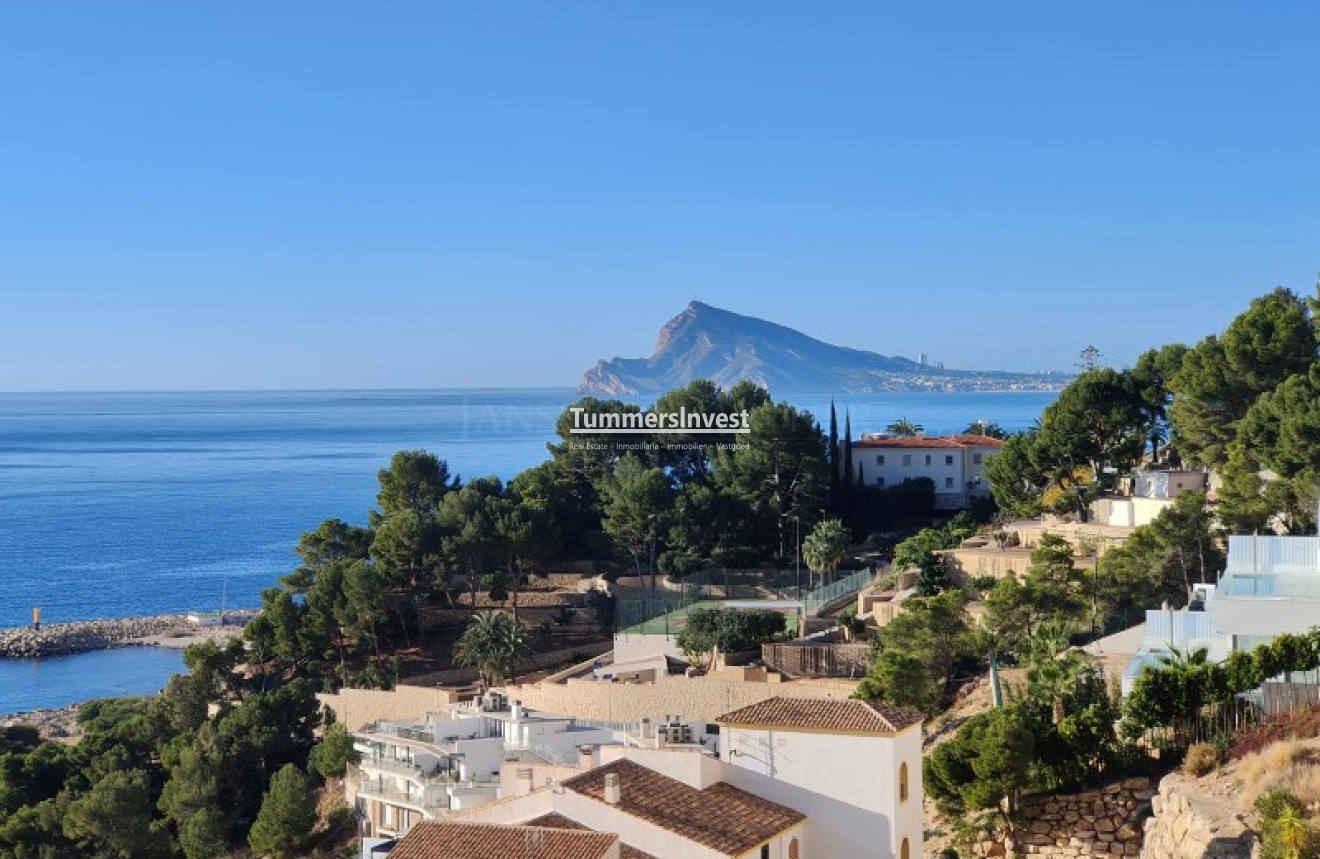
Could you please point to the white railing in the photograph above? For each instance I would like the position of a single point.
(553, 755)
(429, 806)
(1265, 555)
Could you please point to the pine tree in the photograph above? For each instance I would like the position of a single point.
(284, 825)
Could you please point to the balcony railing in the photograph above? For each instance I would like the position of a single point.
(403, 768)
(432, 806)
(554, 756)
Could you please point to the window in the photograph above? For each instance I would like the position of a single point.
(928, 459)
(948, 459)
(948, 483)
(976, 459)
(905, 851)
(879, 459)
(765, 851)
(880, 481)
(794, 850)
(902, 782)
(907, 459)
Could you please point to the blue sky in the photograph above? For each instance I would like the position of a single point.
(323, 194)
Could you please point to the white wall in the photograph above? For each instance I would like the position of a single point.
(1264, 616)
(634, 831)
(848, 786)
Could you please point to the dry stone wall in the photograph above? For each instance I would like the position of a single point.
(1187, 823)
(1105, 823)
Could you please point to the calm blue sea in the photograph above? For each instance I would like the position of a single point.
(134, 504)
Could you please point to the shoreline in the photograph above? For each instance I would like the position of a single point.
(70, 639)
(67, 639)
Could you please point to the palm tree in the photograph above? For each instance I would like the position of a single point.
(986, 428)
(1176, 658)
(491, 643)
(904, 427)
(826, 546)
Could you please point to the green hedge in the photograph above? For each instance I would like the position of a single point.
(1164, 695)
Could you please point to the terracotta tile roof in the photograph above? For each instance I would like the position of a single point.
(929, 441)
(434, 839)
(721, 817)
(554, 820)
(848, 716)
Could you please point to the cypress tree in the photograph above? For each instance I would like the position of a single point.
(846, 490)
(834, 458)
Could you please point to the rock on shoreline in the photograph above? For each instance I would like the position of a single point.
(59, 724)
(60, 639)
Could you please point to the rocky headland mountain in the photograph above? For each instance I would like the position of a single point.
(705, 342)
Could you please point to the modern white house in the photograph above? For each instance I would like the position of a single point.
(1146, 494)
(1270, 585)
(1186, 630)
(955, 464)
(793, 779)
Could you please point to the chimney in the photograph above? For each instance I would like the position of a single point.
(517, 711)
(522, 781)
(586, 757)
(646, 729)
(612, 791)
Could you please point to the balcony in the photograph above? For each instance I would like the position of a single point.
(431, 802)
(403, 769)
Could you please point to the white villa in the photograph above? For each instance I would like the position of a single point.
(793, 779)
(1271, 585)
(1186, 629)
(1146, 494)
(954, 463)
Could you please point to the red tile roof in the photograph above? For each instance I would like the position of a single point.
(554, 820)
(929, 441)
(721, 817)
(435, 839)
(845, 717)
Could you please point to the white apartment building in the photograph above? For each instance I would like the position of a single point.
(460, 759)
(793, 779)
(955, 464)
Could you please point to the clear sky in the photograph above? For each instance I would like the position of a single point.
(393, 194)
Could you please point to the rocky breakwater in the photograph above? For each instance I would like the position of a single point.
(60, 639)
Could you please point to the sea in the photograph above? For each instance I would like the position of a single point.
(127, 504)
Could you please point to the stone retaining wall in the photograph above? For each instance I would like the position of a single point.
(1105, 823)
(526, 599)
(1188, 824)
(57, 639)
